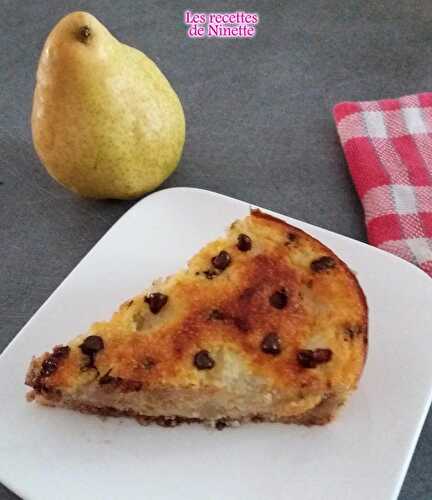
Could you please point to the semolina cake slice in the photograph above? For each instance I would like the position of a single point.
(264, 324)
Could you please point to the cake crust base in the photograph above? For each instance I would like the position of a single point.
(321, 414)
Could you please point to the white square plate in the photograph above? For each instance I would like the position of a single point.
(57, 454)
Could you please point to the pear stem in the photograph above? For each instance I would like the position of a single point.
(84, 34)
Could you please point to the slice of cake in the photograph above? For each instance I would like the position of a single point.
(265, 324)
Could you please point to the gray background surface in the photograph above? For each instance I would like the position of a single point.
(259, 127)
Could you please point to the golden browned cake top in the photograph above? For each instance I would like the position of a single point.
(267, 301)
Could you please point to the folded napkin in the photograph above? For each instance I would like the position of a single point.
(388, 147)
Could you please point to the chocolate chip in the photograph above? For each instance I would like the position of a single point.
(291, 238)
(203, 360)
(279, 299)
(305, 358)
(106, 379)
(92, 345)
(244, 243)
(156, 301)
(50, 365)
(222, 260)
(216, 314)
(309, 358)
(129, 303)
(271, 344)
(220, 424)
(322, 355)
(322, 264)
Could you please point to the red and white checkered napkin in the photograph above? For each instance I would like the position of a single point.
(388, 147)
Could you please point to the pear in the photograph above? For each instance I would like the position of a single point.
(106, 123)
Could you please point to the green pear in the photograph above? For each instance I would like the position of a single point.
(106, 123)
